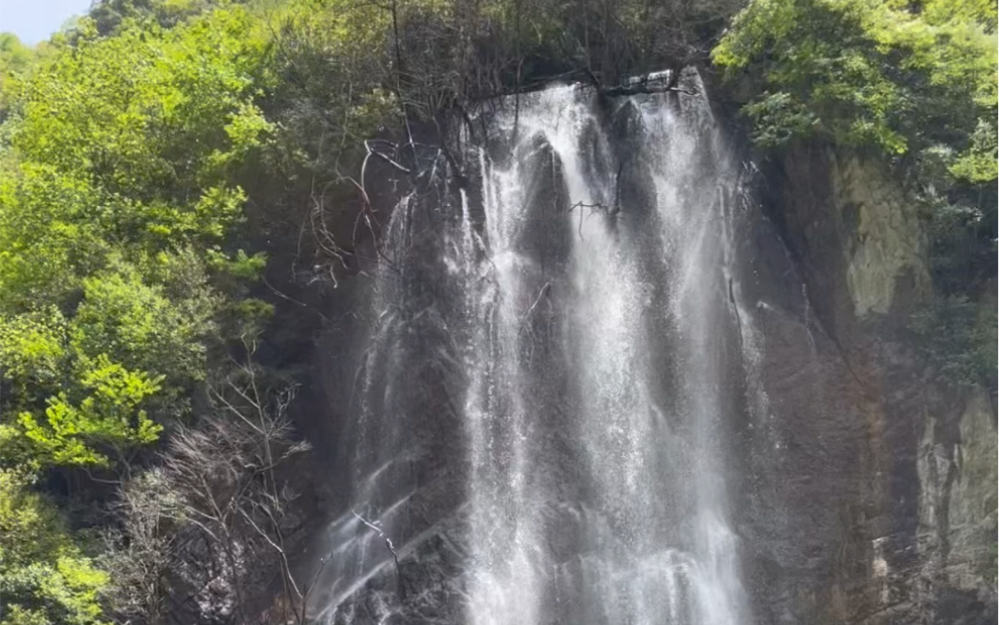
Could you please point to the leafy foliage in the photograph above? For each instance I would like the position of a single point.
(898, 75)
(913, 80)
(151, 122)
(120, 167)
(109, 15)
(110, 415)
(33, 349)
(44, 577)
(120, 315)
(122, 148)
(15, 59)
(959, 338)
(14, 55)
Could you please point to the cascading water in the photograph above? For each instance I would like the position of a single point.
(592, 328)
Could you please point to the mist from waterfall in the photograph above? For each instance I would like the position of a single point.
(582, 297)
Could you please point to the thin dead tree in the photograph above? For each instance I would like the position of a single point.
(231, 506)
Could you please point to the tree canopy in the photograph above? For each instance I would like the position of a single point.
(119, 202)
(899, 75)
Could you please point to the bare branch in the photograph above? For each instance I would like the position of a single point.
(376, 526)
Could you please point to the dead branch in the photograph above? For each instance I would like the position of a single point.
(373, 152)
(640, 89)
(220, 473)
(530, 311)
(593, 208)
(376, 527)
(293, 300)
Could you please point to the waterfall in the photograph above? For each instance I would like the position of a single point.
(581, 302)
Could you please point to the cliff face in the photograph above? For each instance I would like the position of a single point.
(879, 506)
(863, 485)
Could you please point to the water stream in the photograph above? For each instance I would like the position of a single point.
(583, 298)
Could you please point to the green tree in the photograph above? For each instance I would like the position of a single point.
(44, 577)
(914, 80)
(899, 75)
(108, 15)
(152, 122)
(110, 416)
(15, 57)
(118, 187)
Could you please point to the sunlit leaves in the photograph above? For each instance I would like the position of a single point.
(44, 578)
(50, 227)
(790, 119)
(118, 177)
(109, 416)
(33, 350)
(896, 75)
(978, 163)
(138, 326)
(154, 121)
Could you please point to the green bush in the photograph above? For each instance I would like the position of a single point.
(958, 337)
(44, 577)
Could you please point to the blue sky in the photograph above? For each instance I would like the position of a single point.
(34, 20)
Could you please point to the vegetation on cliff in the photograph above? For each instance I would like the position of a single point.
(153, 151)
(916, 83)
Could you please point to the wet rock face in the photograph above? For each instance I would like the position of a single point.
(873, 501)
(424, 588)
(805, 450)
